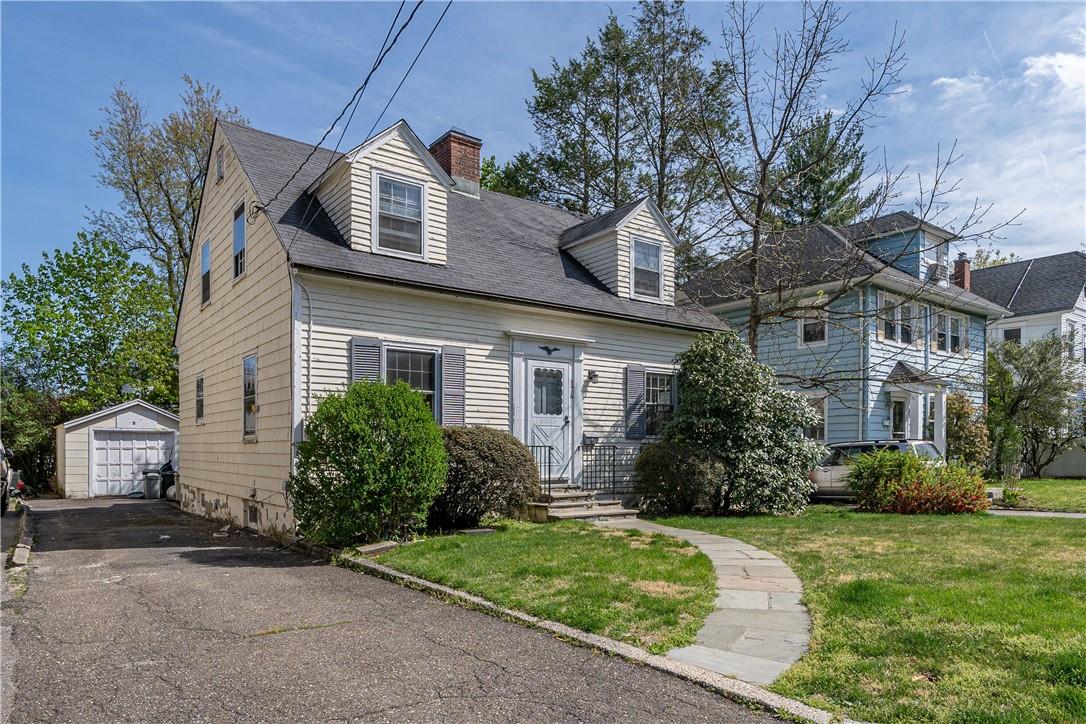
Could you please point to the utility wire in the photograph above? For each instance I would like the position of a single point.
(409, 68)
(356, 95)
(407, 73)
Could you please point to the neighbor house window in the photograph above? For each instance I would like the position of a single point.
(399, 226)
(941, 341)
(955, 335)
(889, 318)
(205, 272)
(199, 399)
(220, 170)
(905, 328)
(898, 320)
(248, 396)
(659, 401)
(812, 327)
(818, 430)
(646, 274)
(1012, 335)
(239, 241)
(417, 368)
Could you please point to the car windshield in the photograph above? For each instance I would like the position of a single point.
(927, 451)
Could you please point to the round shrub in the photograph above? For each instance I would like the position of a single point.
(490, 473)
(889, 481)
(371, 464)
(674, 478)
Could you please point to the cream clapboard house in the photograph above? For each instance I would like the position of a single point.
(389, 263)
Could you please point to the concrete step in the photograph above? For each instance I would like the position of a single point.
(566, 495)
(595, 512)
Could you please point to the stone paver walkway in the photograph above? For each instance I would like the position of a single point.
(759, 627)
(1034, 513)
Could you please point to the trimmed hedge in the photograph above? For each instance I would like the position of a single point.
(890, 481)
(674, 478)
(490, 473)
(370, 466)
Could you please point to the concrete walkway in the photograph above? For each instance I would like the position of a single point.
(759, 627)
(1034, 513)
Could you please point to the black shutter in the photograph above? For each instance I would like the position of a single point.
(365, 359)
(635, 402)
(452, 385)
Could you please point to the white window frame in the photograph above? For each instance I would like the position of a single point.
(375, 211)
(205, 246)
(200, 388)
(435, 350)
(824, 399)
(944, 329)
(634, 240)
(895, 398)
(820, 315)
(247, 436)
(660, 372)
(244, 242)
(897, 304)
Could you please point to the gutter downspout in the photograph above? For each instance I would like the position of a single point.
(864, 357)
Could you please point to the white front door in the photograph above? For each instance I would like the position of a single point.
(549, 406)
(121, 456)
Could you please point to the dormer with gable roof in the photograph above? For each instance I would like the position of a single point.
(631, 250)
(907, 243)
(389, 196)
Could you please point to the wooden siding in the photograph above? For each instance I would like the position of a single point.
(600, 256)
(251, 314)
(346, 196)
(342, 309)
(644, 225)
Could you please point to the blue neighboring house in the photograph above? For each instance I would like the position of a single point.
(869, 322)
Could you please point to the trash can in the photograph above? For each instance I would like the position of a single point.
(152, 484)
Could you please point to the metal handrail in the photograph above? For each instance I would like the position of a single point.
(544, 458)
(599, 468)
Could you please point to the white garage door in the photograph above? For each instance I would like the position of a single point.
(121, 456)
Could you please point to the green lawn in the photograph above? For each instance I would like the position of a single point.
(934, 618)
(650, 591)
(1053, 494)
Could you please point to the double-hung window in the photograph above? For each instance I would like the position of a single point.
(659, 401)
(889, 318)
(239, 241)
(647, 262)
(418, 368)
(955, 335)
(812, 327)
(199, 399)
(248, 397)
(205, 272)
(399, 226)
(942, 342)
(905, 325)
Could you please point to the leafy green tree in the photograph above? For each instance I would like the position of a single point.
(613, 56)
(823, 168)
(28, 415)
(734, 411)
(94, 326)
(1034, 396)
(158, 169)
(517, 177)
(966, 433)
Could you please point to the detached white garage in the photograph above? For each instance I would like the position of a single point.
(106, 452)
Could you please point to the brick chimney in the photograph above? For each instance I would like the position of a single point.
(961, 271)
(458, 154)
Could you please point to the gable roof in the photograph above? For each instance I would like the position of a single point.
(888, 224)
(499, 247)
(105, 412)
(613, 220)
(820, 256)
(1034, 286)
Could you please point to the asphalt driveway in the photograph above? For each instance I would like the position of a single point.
(138, 612)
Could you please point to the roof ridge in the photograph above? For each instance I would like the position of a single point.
(1020, 282)
(273, 135)
(545, 205)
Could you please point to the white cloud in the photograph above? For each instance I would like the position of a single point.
(972, 89)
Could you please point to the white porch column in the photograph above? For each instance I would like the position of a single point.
(940, 419)
(914, 415)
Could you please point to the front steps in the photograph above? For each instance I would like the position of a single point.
(566, 502)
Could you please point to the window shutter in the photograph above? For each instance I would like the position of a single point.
(365, 359)
(675, 390)
(452, 385)
(635, 402)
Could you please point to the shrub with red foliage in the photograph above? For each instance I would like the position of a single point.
(888, 481)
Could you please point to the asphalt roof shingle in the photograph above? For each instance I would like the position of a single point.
(498, 246)
(1034, 286)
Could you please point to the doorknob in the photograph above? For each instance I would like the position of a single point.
(565, 420)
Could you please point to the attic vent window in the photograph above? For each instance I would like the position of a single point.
(646, 272)
(400, 223)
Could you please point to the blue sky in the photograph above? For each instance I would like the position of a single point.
(1005, 79)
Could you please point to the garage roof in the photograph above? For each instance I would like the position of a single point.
(106, 412)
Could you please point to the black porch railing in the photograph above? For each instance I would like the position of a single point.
(544, 461)
(599, 468)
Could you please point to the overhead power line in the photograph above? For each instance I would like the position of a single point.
(355, 96)
(407, 73)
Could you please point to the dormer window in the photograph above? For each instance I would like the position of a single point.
(647, 279)
(399, 228)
